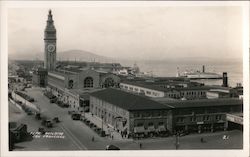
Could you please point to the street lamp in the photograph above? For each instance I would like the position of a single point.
(102, 122)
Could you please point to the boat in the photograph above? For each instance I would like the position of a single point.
(202, 75)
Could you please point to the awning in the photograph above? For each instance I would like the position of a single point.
(151, 128)
(162, 128)
(139, 129)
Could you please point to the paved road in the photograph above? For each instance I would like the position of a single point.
(78, 135)
(76, 131)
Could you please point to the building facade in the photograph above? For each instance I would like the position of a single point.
(131, 114)
(73, 86)
(140, 115)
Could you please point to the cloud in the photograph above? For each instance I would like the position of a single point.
(132, 32)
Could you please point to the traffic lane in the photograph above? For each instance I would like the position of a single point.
(80, 133)
(41, 143)
(77, 127)
(52, 110)
(85, 135)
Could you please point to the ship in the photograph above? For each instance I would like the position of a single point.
(201, 75)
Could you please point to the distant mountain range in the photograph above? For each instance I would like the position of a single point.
(71, 55)
(81, 55)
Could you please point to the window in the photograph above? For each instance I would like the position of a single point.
(218, 117)
(139, 124)
(180, 119)
(88, 82)
(136, 114)
(150, 124)
(193, 119)
(160, 123)
(205, 118)
(109, 82)
(71, 84)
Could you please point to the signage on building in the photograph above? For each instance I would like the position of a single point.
(200, 122)
(235, 119)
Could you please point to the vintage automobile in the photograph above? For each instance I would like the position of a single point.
(56, 119)
(47, 123)
(41, 130)
(38, 116)
(112, 147)
(76, 116)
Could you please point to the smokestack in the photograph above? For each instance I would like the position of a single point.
(203, 68)
(225, 82)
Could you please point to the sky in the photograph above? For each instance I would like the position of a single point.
(132, 32)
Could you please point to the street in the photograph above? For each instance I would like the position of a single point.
(77, 136)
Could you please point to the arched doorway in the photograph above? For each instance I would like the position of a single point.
(88, 82)
(71, 84)
(109, 82)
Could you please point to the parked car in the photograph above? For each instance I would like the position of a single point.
(112, 147)
(47, 123)
(65, 105)
(38, 116)
(76, 116)
(52, 100)
(29, 112)
(56, 119)
(71, 112)
(41, 130)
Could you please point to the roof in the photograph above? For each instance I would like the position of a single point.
(153, 86)
(203, 102)
(128, 101)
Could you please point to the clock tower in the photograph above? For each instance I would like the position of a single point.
(50, 44)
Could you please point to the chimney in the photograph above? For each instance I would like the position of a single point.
(225, 82)
(203, 68)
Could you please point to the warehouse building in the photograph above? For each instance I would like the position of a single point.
(135, 114)
(131, 114)
(176, 90)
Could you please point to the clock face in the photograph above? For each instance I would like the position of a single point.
(51, 47)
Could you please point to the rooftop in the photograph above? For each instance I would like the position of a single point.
(202, 102)
(131, 101)
(160, 86)
(128, 101)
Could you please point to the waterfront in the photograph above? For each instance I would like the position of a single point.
(168, 68)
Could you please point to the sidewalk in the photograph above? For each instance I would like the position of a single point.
(98, 121)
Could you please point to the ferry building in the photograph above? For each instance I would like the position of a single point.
(70, 84)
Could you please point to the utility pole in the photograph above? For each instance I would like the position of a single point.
(177, 142)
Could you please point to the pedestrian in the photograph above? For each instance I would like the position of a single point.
(112, 137)
(93, 139)
(202, 140)
(140, 145)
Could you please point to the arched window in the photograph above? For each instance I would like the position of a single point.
(71, 84)
(88, 82)
(109, 82)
